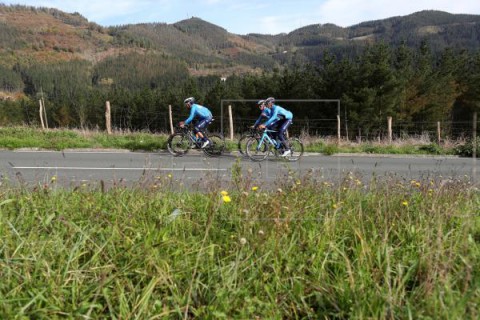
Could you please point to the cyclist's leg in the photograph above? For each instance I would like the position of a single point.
(274, 126)
(200, 128)
(196, 132)
(281, 132)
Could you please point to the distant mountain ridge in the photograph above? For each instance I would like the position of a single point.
(31, 35)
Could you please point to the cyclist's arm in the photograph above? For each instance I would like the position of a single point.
(263, 115)
(272, 118)
(192, 115)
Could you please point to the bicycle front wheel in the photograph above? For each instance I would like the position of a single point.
(257, 150)
(296, 148)
(216, 146)
(178, 144)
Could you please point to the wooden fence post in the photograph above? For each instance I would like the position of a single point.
(40, 111)
(389, 121)
(170, 117)
(108, 118)
(474, 149)
(439, 133)
(45, 113)
(230, 120)
(474, 146)
(338, 129)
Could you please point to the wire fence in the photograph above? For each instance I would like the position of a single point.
(123, 119)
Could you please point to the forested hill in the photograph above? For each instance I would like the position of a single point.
(31, 35)
(439, 29)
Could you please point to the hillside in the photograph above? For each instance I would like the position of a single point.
(439, 29)
(41, 35)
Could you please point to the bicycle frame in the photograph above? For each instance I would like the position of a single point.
(267, 139)
(188, 138)
(189, 133)
(260, 147)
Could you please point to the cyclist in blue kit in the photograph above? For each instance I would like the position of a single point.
(265, 113)
(283, 119)
(204, 118)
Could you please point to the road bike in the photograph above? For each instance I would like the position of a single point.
(242, 142)
(259, 148)
(184, 139)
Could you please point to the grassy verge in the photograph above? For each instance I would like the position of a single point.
(308, 248)
(58, 139)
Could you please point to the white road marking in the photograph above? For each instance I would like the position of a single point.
(150, 169)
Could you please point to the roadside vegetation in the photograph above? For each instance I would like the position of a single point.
(61, 139)
(304, 248)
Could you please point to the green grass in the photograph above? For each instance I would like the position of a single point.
(60, 139)
(305, 249)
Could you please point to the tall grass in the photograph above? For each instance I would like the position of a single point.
(308, 248)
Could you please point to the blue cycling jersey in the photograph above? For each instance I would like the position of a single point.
(198, 111)
(277, 113)
(265, 114)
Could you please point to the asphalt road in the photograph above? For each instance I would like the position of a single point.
(74, 168)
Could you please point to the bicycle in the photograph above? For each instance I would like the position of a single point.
(259, 148)
(242, 142)
(184, 139)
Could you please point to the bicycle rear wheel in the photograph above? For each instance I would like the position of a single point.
(242, 143)
(216, 146)
(257, 150)
(178, 144)
(296, 148)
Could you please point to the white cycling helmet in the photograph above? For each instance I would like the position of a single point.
(270, 99)
(190, 100)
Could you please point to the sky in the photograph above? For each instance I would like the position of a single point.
(249, 16)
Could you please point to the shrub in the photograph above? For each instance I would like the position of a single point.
(432, 148)
(466, 150)
(330, 149)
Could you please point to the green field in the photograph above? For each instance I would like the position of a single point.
(305, 248)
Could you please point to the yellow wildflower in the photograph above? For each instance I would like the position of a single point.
(254, 188)
(224, 193)
(405, 203)
(226, 199)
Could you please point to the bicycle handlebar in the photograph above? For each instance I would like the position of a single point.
(266, 130)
